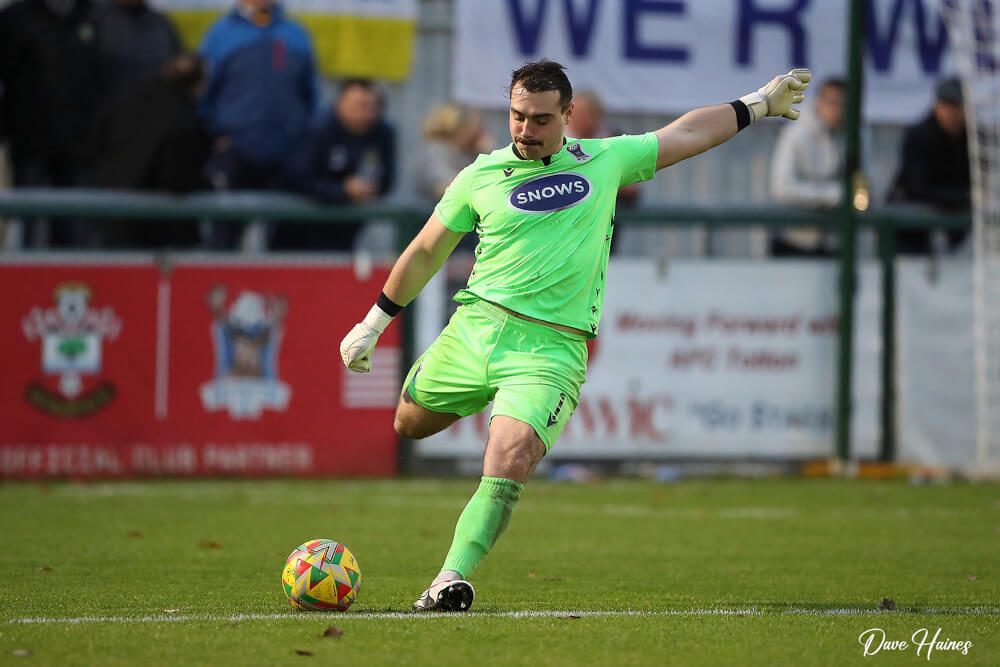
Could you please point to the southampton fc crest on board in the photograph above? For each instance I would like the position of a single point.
(246, 336)
(72, 335)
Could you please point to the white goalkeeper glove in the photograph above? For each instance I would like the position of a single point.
(356, 348)
(778, 96)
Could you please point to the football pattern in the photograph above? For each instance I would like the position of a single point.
(321, 575)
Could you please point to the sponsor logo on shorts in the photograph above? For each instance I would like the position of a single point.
(554, 416)
(552, 192)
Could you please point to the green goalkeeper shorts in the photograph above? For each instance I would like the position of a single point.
(531, 372)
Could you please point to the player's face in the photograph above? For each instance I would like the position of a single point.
(537, 122)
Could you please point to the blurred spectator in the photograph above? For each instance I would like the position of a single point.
(807, 170)
(50, 77)
(149, 137)
(588, 119)
(588, 122)
(934, 167)
(134, 41)
(453, 137)
(259, 98)
(349, 157)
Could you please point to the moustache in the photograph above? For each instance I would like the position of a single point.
(529, 142)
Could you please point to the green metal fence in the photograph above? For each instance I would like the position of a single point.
(278, 207)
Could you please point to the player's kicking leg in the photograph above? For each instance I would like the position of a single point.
(512, 452)
(414, 421)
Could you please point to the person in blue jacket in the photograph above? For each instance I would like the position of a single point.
(260, 97)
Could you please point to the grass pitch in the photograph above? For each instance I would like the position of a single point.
(619, 572)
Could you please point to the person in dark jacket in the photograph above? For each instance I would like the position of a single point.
(349, 157)
(149, 137)
(934, 168)
(134, 41)
(51, 81)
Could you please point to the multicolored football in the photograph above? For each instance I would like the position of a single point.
(321, 575)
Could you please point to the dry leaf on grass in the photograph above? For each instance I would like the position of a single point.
(299, 651)
(972, 577)
(210, 544)
(332, 631)
(22, 653)
(44, 568)
(569, 616)
(888, 605)
(134, 533)
(170, 611)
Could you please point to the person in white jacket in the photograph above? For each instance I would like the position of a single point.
(807, 170)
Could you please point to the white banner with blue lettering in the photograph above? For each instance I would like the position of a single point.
(669, 56)
(709, 359)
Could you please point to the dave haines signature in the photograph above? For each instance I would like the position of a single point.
(873, 640)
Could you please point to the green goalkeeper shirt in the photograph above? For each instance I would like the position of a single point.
(545, 225)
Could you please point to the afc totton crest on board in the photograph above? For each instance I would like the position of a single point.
(246, 337)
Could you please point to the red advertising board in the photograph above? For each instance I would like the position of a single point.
(208, 367)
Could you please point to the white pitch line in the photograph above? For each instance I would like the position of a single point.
(960, 611)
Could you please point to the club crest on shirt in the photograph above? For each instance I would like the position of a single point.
(576, 150)
(552, 192)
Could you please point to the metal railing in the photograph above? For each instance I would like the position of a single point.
(280, 207)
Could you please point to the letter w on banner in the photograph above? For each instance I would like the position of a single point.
(669, 56)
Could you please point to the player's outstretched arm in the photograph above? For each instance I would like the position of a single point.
(698, 130)
(421, 260)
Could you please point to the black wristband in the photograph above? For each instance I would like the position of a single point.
(742, 114)
(388, 306)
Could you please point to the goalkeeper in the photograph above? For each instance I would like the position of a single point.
(543, 209)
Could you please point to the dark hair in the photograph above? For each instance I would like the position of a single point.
(366, 84)
(949, 90)
(541, 75)
(834, 82)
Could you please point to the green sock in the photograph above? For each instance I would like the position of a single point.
(481, 523)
